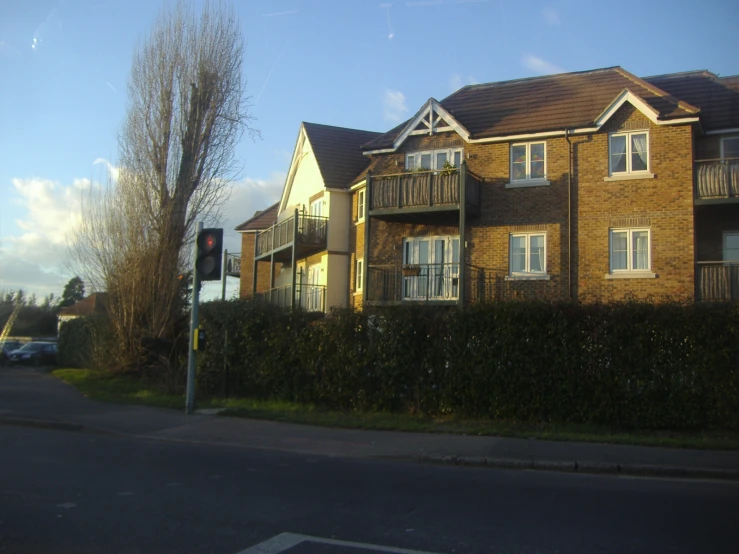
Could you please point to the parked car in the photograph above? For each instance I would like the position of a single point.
(34, 353)
(6, 347)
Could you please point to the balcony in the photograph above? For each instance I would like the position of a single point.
(717, 181)
(717, 281)
(422, 192)
(307, 238)
(311, 298)
(430, 283)
(233, 265)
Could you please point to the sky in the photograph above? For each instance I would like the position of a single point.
(64, 67)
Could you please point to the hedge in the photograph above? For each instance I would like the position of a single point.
(627, 365)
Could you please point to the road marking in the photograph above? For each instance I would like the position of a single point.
(285, 541)
(66, 505)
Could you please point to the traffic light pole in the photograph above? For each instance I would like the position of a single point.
(190, 395)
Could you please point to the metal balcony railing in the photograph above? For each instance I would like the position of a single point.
(233, 264)
(312, 231)
(717, 179)
(716, 281)
(311, 298)
(413, 282)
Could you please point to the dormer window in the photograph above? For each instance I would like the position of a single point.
(433, 160)
(629, 153)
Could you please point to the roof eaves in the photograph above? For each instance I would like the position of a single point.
(658, 91)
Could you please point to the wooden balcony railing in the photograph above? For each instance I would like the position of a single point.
(716, 281)
(312, 230)
(417, 191)
(717, 179)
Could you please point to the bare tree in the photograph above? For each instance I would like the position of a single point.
(187, 112)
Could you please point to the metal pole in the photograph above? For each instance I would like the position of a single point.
(190, 395)
(223, 276)
(294, 258)
(462, 233)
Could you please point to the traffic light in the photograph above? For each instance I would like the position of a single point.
(210, 254)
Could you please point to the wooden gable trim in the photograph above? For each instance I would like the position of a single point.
(426, 122)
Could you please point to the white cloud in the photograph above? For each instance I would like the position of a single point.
(113, 172)
(540, 66)
(394, 106)
(36, 258)
(550, 15)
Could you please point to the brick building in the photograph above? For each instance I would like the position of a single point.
(591, 186)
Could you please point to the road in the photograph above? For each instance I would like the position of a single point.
(70, 492)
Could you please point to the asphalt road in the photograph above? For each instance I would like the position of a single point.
(80, 493)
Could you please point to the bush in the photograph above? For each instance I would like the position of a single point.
(86, 342)
(627, 365)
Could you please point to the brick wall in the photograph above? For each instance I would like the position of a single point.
(664, 204)
(247, 268)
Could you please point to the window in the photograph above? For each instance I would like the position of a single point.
(629, 152)
(528, 254)
(730, 148)
(731, 246)
(433, 160)
(630, 250)
(528, 161)
(432, 265)
(359, 275)
(360, 205)
(316, 207)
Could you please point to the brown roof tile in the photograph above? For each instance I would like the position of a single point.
(95, 303)
(541, 104)
(261, 220)
(717, 97)
(338, 153)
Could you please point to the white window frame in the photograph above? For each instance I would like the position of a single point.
(316, 206)
(528, 178)
(630, 251)
(628, 171)
(359, 267)
(361, 205)
(450, 152)
(447, 268)
(527, 269)
(723, 139)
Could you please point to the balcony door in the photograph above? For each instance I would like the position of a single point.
(312, 298)
(431, 268)
(731, 246)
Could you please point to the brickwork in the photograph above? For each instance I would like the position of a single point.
(663, 204)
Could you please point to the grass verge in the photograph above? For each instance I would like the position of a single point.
(122, 389)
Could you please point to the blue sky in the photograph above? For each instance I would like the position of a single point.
(64, 67)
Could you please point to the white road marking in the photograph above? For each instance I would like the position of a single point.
(285, 541)
(66, 505)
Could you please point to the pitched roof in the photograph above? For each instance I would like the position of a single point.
(549, 103)
(95, 303)
(717, 97)
(263, 219)
(337, 151)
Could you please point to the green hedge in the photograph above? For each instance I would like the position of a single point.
(628, 365)
(86, 342)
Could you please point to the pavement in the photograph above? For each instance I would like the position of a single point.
(34, 398)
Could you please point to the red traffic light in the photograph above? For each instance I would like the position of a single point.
(209, 254)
